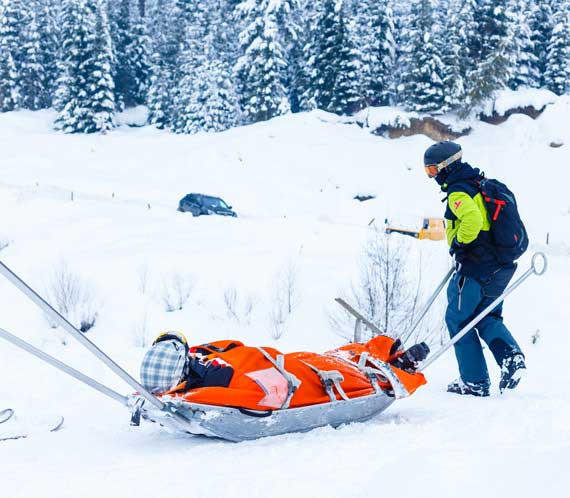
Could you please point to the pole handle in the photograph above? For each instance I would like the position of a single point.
(538, 267)
(76, 334)
(539, 263)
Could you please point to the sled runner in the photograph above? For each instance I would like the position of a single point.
(375, 384)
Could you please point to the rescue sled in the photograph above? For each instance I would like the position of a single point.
(175, 413)
(302, 390)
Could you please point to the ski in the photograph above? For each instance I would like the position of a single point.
(12, 428)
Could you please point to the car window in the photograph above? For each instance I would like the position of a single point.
(214, 202)
(190, 199)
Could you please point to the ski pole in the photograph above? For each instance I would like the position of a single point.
(534, 269)
(429, 303)
(58, 318)
(20, 343)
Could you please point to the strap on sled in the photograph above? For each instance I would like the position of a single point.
(372, 374)
(385, 371)
(293, 382)
(330, 379)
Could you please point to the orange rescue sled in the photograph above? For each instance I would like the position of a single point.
(273, 393)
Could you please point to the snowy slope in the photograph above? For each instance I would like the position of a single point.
(106, 205)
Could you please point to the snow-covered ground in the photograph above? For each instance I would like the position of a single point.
(105, 206)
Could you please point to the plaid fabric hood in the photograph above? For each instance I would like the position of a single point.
(163, 366)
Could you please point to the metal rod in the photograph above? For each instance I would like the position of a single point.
(428, 304)
(56, 317)
(534, 269)
(20, 343)
(359, 316)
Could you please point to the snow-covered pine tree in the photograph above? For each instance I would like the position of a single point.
(166, 43)
(100, 85)
(557, 72)
(85, 93)
(422, 85)
(540, 25)
(46, 17)
(375, 28)
(34, 89)
(132, 53)
(526, 73)
(494, 52)
(458, 29)
(12, 25)
(206, 98)
(332, 61)
(261, 70)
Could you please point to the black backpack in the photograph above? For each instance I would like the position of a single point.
(509, 236)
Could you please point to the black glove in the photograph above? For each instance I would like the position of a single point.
(458, 250)
(411, 358)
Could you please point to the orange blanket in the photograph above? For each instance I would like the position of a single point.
(258, 385)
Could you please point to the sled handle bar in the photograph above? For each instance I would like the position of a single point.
(54, 362)
(430, 301)
(69, 328)
(538, 267)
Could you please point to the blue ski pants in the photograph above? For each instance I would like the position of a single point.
(467, 297)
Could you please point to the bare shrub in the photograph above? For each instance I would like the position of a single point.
(141, 328)
(73, 297)
(285, 297)
(4, 243)
(386, 292)
(238, 307)
(176, 291)
(143, 278)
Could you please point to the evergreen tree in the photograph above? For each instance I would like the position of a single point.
(261, 70)
(35, 93)
(333, 61)
(206, 100)
(527, 73)
(100, 85)
(540, 25)
(422, 85)
(46, 15)
(494, 51)
(557, 73)
(132, 53)
(85, 93)
(296, 39)
(454, 40)
(378, 49)
(167, 38)
(11, 54)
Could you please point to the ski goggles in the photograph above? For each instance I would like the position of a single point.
(432, 170)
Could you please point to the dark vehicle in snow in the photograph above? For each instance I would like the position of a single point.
(199, 204)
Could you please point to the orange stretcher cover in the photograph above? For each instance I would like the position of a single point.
(252, 371)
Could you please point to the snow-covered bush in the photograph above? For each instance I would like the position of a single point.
(285, 297)
(238, 307)
(141, 327)
(143, 278)
(387, 292)
(73, 297)
(4, 243)
(176, 290)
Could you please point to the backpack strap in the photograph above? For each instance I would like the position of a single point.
(330, 379)
(293, 382)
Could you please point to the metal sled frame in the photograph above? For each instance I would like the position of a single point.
(234, 424)
(230, 423)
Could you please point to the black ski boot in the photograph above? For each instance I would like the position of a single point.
(512, 369)
(480, 389)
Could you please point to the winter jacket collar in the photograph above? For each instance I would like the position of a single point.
(459, 173)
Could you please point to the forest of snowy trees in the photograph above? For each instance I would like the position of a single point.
(208, 65)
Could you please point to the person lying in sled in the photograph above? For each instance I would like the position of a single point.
(233, 374)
